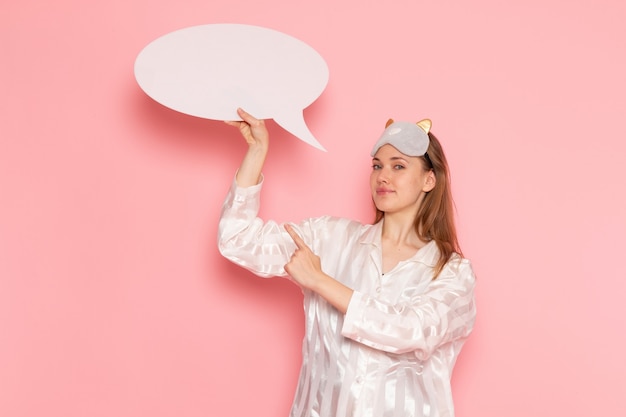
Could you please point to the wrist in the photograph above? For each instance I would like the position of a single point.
(318, 282)
(258, 149)
(337, 294)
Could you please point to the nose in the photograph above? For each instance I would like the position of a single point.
(382, 176)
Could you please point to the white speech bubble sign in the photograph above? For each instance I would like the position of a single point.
(209, 71)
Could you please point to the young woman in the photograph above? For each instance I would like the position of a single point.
(389, 305)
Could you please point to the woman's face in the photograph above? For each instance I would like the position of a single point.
(398, 182)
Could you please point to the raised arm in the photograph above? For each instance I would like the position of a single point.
(304, 266)
(256, 135)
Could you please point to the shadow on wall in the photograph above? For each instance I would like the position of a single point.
(189, 133)
(167, 127)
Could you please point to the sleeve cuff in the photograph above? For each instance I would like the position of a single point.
(354, 314)
(241, 193)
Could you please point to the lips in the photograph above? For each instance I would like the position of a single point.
(383, 191)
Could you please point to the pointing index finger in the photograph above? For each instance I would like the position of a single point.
(296, 238)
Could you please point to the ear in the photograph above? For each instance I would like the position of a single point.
(390, 121)
(430, 181)
(425, 124)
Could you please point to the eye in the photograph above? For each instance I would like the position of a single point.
(398, 166)
(375, 166)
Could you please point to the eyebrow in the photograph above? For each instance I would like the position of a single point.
(393, 158)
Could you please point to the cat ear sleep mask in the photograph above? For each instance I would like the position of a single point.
(409, 138)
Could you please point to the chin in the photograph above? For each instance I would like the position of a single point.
(382, 207)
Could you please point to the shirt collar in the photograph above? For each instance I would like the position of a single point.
(428, 254)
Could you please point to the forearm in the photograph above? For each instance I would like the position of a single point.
(257, 137)
(333, 291)
(443, 313)
(249, 172)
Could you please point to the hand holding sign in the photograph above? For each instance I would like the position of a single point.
(211, 70)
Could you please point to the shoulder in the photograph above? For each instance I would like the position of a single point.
(459, 268)
(339, 228)
(337, 223)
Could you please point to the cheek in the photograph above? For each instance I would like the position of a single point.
(373, 179)
(417, 181)
(414, 187)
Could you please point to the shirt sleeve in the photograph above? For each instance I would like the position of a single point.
(444, 313)
(246, 240)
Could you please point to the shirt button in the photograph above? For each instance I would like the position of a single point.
(378, 290)
(359, 379)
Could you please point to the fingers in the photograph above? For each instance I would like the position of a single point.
(300, 244)
(245, 116)
(248, 118)
(252, 129)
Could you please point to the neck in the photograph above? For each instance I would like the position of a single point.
(400, 231)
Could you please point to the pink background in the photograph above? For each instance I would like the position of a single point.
(113, 298)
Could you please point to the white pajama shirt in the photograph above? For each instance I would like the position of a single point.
(392, 353)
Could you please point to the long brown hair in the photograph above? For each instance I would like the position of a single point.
(435, 216)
